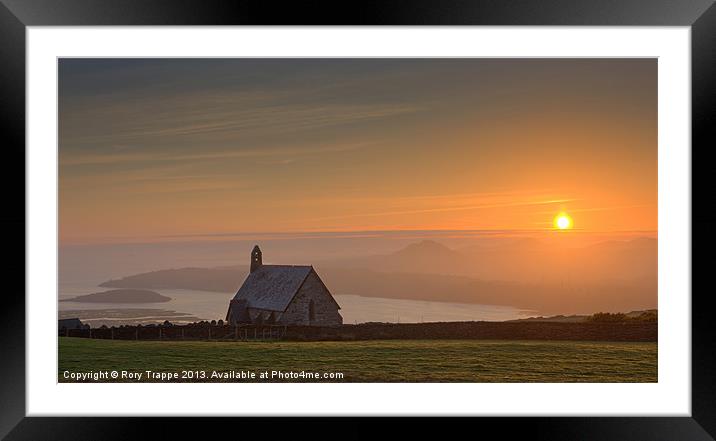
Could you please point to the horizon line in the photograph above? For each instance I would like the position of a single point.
(336, 234)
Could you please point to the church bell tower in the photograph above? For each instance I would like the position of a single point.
(256, 260)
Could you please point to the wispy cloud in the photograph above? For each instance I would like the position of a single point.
(212, 121)
(469, 198)
(114, 158)
(610, 208)
(444, 209)
(278, 118)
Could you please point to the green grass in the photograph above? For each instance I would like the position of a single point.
(376, 361)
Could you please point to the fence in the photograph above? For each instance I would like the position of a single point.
(584, 331)
(181, 332)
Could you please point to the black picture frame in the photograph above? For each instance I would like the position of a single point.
(16, 15)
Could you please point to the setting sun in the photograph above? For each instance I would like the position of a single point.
(562, 221)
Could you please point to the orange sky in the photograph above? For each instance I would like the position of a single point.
(158, 148)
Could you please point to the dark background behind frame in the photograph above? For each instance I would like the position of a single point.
(15, 15)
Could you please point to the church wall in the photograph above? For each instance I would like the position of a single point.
(255, 313)
(325, 310)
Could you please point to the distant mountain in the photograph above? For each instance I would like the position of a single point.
(121, 296)
(425, 256)
(535, 261)
(546, 298)
(522, 260)
(426, 250)
(546, 276)
(634, 259)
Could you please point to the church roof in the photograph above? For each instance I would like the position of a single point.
(272, 287)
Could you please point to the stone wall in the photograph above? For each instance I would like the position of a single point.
(634, 332)
(325, 309)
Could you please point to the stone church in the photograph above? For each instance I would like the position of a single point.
(283, 294)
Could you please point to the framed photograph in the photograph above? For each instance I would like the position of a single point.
(434, 209)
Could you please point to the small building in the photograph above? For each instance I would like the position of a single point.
(70, 323)
(284, 295)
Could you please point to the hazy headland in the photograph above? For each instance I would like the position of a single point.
(121, 296)
(546, 275)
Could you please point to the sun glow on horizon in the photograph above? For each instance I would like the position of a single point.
(563, 221)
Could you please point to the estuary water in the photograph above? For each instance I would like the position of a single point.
(190, 305)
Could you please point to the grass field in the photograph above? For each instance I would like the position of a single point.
(371, 361)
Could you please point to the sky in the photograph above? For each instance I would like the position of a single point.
(160, 149)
